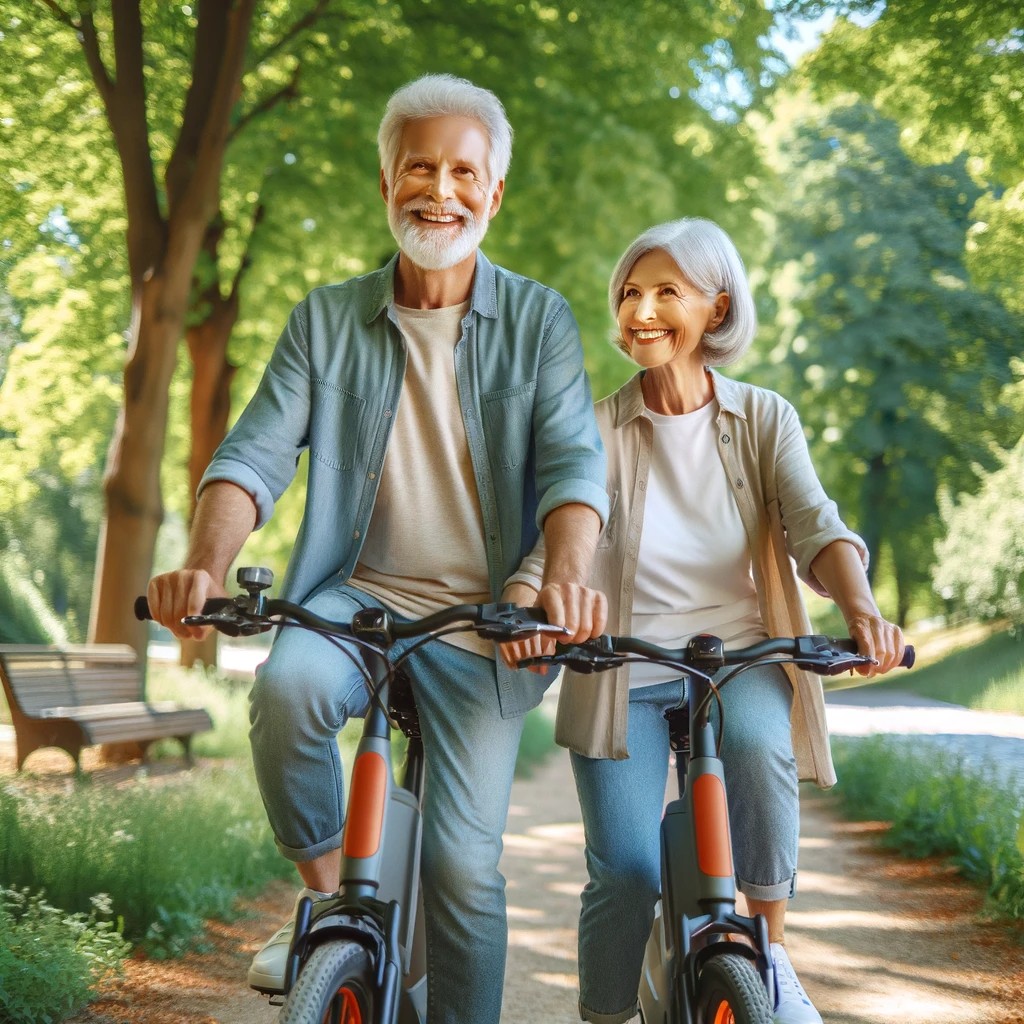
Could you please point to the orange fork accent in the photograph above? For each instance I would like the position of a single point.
(366, 808)
(711, 819)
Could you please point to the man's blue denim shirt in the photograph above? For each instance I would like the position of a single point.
(333, 384)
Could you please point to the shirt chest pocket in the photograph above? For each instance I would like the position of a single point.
(508, 423)
(336, 419)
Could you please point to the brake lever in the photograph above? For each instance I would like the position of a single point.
(511, 624)
(837, 666)
(229, 623)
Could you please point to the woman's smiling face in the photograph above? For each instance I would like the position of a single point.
(662, 316)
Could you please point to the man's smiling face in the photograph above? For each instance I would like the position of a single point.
(440, 200)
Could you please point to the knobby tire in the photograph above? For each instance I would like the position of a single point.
(335, 987)
(730, 991)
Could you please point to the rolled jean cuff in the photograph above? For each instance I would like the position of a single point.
(298, 856)
(609, 1018)
(768, 893)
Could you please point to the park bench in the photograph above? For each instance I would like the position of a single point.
(75, 696)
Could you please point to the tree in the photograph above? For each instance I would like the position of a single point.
(896, 362)
(980, 563)
(243, 159)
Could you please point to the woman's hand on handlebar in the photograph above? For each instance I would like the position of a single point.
(879, 639)
(582, 611)
(173, 595)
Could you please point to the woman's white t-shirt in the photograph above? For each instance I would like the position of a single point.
(693, 568)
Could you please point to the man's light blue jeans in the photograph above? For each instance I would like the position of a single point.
(622, 802)
(303, 695)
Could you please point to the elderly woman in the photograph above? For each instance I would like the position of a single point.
(715, 511)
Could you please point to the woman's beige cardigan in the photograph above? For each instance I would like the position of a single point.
(785, 513)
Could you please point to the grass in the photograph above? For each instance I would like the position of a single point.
(939, 807)
(985, 677)
(167, 854)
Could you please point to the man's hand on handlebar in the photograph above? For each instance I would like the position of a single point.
(173, 595)
(581, 611)
(879, 639)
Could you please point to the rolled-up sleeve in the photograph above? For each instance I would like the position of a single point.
(811, 519)
(262, 449)
(570, 456)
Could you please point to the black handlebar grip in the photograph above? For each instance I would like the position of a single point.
(142, 611)
(909, 656)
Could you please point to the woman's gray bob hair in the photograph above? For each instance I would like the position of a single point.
(708, 259)
(445, 96)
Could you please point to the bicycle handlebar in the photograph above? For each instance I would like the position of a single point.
(821, 654)
(246, 615)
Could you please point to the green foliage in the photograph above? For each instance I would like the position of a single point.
(49, 959)
(168, 854)
(985, 677)
(620, 122)
(948, 70)
(939, 807)
(980, 565)
(25, 615)
(538, 741)
(226, 699)
(895, 361)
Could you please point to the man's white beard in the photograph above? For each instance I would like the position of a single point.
(433, 248)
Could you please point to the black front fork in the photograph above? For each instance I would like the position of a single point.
(698, 877)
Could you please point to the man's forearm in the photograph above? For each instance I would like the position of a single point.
(570, 539)
(225, 516)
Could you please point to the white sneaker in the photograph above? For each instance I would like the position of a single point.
(791, 1003)
(266, 974)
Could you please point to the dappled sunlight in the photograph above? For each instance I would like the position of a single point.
(818, 882)
(875, 921)
(566, 981)
(556, 943)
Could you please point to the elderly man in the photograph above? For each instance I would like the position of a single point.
(448, 417)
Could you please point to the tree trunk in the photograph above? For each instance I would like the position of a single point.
(162, 256)
(212, 374)
(134, 510)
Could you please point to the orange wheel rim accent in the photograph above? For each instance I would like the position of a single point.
(724, 1015)
(350, 1012)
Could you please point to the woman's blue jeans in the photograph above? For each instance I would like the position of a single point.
(622, 803)
(304, 694)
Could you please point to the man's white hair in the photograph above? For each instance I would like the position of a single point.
(445, 96)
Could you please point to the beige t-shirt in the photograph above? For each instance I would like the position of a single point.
(424, 548)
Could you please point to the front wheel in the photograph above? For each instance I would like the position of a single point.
(335, 987)
(730, 991)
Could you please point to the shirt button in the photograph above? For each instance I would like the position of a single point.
(739, 483)
(373, 476)
(355, 536)
(387, 412)
(726, 439)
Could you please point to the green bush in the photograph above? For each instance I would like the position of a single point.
(49, 959)
(980, 562)
(25, 615)
(939, 807)
(169, 855)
